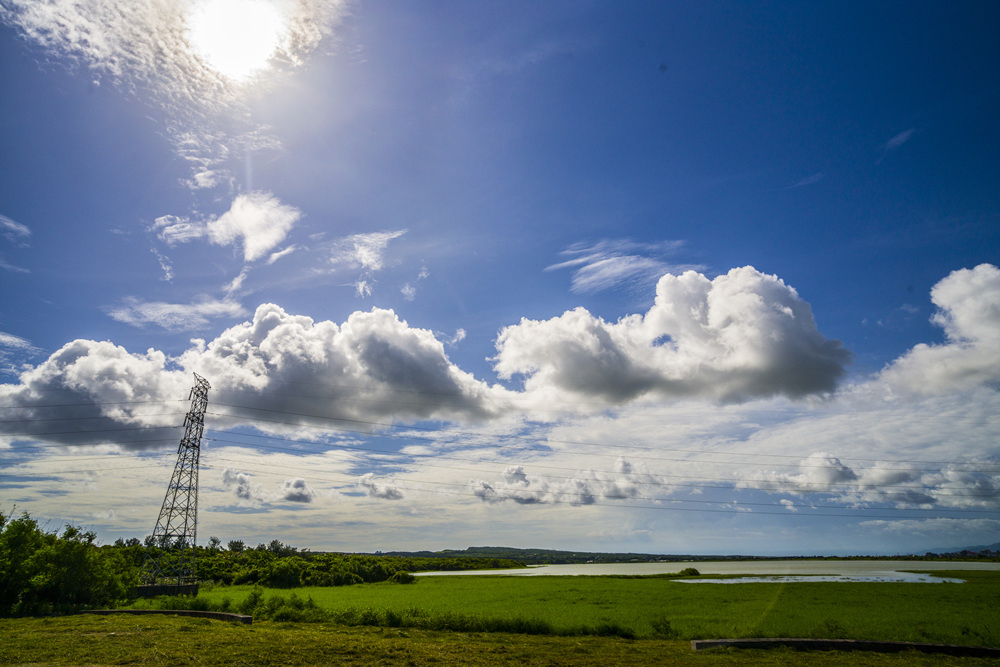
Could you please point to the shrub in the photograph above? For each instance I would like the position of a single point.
(43, 572)
(402, 577)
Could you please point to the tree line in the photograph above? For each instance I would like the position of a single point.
(48, 572)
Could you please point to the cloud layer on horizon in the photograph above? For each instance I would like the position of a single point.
(740, 336)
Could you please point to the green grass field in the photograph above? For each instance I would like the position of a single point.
(164, 640)
(655, 607)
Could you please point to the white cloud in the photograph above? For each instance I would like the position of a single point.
(13, 231)
(242, 486)
(257, 220)
(742, 335)
(14, 347)
(16, 233)
(175, 316)
(895, 142)
(296, 491)
(972, 529)
(13, 342)
(144, 47)
(968, 302)
(275, 256)
(373, 367)
(365, 251)
(899, 139)
(172, 229)
(110, 396)
(385, 489)
(585, 488)
(613, 263)
(809, 180)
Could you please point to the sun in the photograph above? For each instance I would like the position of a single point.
(236, 38)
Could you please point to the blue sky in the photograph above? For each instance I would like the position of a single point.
(661, 277)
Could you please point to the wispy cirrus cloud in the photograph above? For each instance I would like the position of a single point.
(16, 233)
(365, 252)
(146, 48)
(13, 231)
(894, 143)
(175, 316)
(612, 263)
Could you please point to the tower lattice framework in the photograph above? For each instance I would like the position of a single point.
(171, 553)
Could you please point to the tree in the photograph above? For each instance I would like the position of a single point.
(42, 572)
(236, 546)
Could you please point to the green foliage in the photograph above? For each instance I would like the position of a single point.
(659, 608)
(277, 565)
(171, 640)
(402, 578)
(688, 572)
(42, 572)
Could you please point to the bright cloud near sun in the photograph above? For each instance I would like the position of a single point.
(236, 37)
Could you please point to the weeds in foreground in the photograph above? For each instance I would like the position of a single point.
(295, 609)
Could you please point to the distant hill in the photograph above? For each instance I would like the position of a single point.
(553, 556)
(954, 550)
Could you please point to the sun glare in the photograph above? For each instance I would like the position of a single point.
(236, 38)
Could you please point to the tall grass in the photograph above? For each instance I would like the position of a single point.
(650, 608)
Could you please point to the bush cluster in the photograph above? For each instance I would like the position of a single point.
(296, 609)
(44, 572)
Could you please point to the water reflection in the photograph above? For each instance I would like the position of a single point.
(888, 577)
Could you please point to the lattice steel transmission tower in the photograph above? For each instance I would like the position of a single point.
(170, 554)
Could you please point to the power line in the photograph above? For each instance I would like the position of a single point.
(734, 504)
(544, 466)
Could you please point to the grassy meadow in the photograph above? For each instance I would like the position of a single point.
(660, 608)
(172, 640)
(493, 620)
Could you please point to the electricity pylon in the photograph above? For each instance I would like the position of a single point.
(170, 554)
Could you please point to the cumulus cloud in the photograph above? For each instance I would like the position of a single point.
(741, 335)
(819, 473)
(280, 371)
(296, 491)
(93, 392)
(385, 489)
(966, 484)
(585, 488)
(373, 366)
(174, 316)
(968, 303)
(256, 220)
(241, 485)
(613, 263)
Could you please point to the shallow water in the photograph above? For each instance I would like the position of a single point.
(833, 570)
(887, 577)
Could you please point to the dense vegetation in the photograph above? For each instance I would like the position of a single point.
(650, 607)
(43, 572)
(278, 565)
